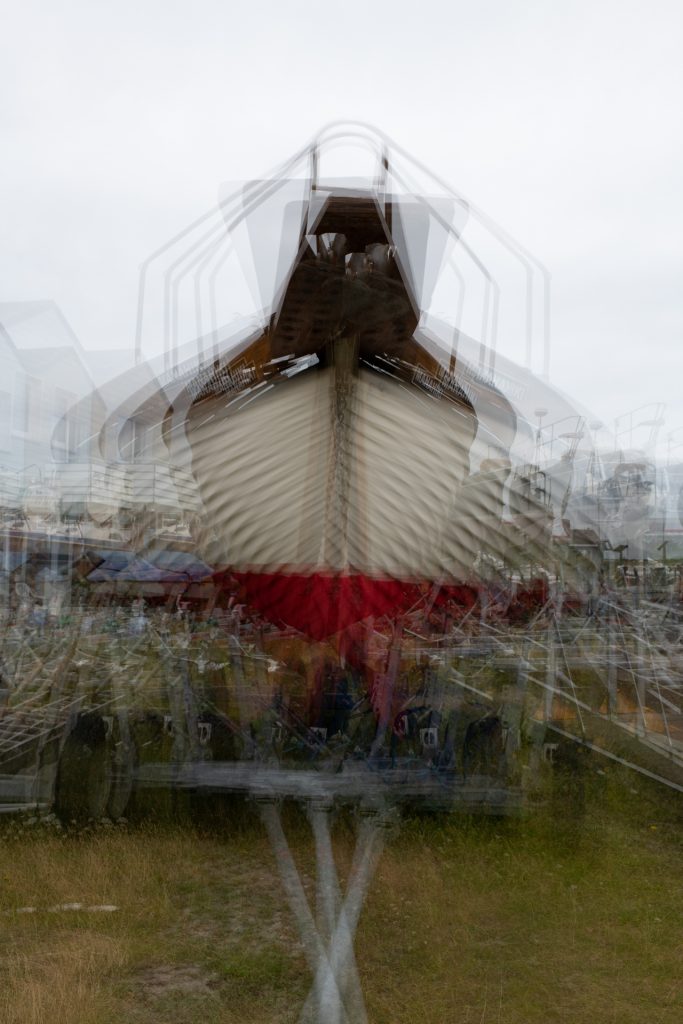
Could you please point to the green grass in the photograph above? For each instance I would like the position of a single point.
(573, 915)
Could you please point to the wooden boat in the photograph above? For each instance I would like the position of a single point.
(332, 454)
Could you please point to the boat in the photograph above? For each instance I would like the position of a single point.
(351, 450)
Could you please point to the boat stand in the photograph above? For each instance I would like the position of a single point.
(328, 936)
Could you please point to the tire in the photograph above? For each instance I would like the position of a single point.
(83, 782)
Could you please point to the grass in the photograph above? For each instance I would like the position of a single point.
(573, 915)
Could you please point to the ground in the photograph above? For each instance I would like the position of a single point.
(560, 917)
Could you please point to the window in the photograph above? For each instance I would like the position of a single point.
(65, 433)
(26, 405)
(5, 418)
(132, 440)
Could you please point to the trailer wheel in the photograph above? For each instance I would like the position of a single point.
(152, 736)
(84, 774)
(214, 810)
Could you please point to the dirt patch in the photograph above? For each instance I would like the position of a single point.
(241, 924)
(180, 978)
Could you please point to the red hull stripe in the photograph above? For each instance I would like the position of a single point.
(322, 604)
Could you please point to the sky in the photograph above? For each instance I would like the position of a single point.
(121, 121)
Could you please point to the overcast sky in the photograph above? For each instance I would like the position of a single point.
(120, 120)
